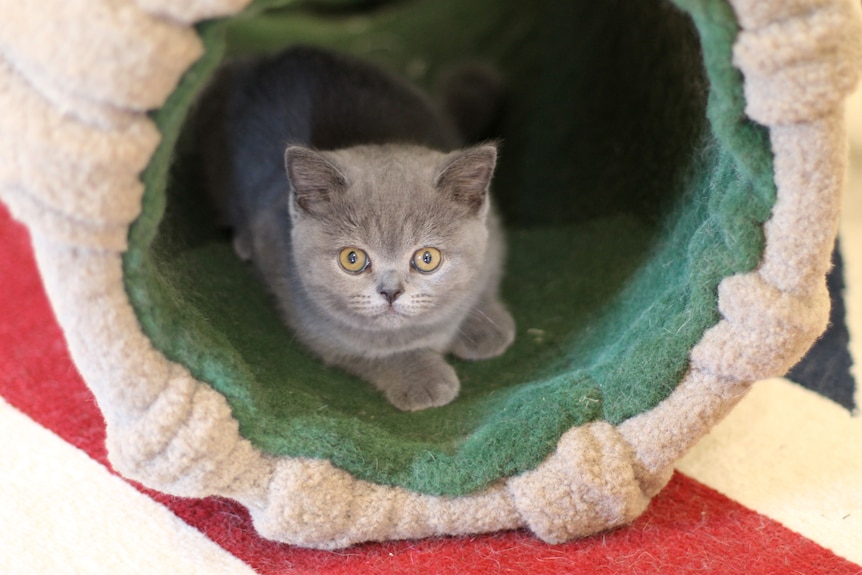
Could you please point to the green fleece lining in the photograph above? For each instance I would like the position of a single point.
(628, 197)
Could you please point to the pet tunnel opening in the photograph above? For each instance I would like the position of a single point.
(631, 184)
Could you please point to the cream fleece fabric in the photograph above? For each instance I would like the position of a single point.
(76, 77)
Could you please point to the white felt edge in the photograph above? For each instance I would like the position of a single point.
(65, 513)
(176, 434)
(772, 315)
(791, 454)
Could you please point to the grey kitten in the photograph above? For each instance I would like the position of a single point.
(374, 232)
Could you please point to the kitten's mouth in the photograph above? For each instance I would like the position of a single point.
(387, 316)
(391, 316)
(378, 314)
(390, 313)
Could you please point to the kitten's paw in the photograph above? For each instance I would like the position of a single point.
(428, 382)
(412, 380)
(486, 332)
(419, 395)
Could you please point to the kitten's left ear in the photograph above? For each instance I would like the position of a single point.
(466, 176)
(313, 178)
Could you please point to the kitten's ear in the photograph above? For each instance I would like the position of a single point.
(466, 176)
(313, 178)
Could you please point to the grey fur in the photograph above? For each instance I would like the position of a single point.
(370, 164)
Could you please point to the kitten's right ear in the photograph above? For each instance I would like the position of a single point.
(467, 175)
(313, 179)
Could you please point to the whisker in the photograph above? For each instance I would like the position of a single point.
(464, 334)
(482, 314)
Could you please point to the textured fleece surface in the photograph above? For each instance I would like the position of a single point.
(620, 231)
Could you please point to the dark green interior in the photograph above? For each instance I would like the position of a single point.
(631, 184)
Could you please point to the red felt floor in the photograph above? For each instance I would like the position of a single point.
(689, 528)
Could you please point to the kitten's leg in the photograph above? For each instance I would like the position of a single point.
(411, 380)
(486, 331)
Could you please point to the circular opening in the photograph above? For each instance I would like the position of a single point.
(630, 182)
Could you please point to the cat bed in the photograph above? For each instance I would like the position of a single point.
(670, 179)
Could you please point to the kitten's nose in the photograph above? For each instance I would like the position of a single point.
(390, 286)
(390, 294)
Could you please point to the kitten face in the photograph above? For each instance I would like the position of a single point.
(387, 237)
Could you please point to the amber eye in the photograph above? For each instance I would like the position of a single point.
(426, 260)
(353, 260)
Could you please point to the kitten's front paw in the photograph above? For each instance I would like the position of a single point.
(419, 395)
(486, 332)
(424, 380)
(411, 380)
